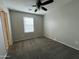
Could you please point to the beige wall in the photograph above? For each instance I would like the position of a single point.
(62, 24)
(5, 9)
(18, 26)
(3, 51)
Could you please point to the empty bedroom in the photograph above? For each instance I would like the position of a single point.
(39, 29)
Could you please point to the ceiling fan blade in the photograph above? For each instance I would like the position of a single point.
(35, 10)
(47, 2)
(45, 9)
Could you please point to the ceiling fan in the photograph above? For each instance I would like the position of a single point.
(39, 5)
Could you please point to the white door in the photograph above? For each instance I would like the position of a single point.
(2, 45)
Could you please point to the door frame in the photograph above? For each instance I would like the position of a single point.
(5, 27)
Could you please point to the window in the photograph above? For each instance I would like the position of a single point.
(28, 24)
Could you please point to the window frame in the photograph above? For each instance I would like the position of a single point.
(33, 29)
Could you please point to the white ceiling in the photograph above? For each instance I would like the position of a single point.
(26, 5)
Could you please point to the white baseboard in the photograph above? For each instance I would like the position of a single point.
(63, 43)
(26, 39)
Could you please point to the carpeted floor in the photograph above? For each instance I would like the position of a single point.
(41, 48)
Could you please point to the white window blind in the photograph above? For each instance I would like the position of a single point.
(28, 24)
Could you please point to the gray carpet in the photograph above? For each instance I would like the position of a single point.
(41, 48)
